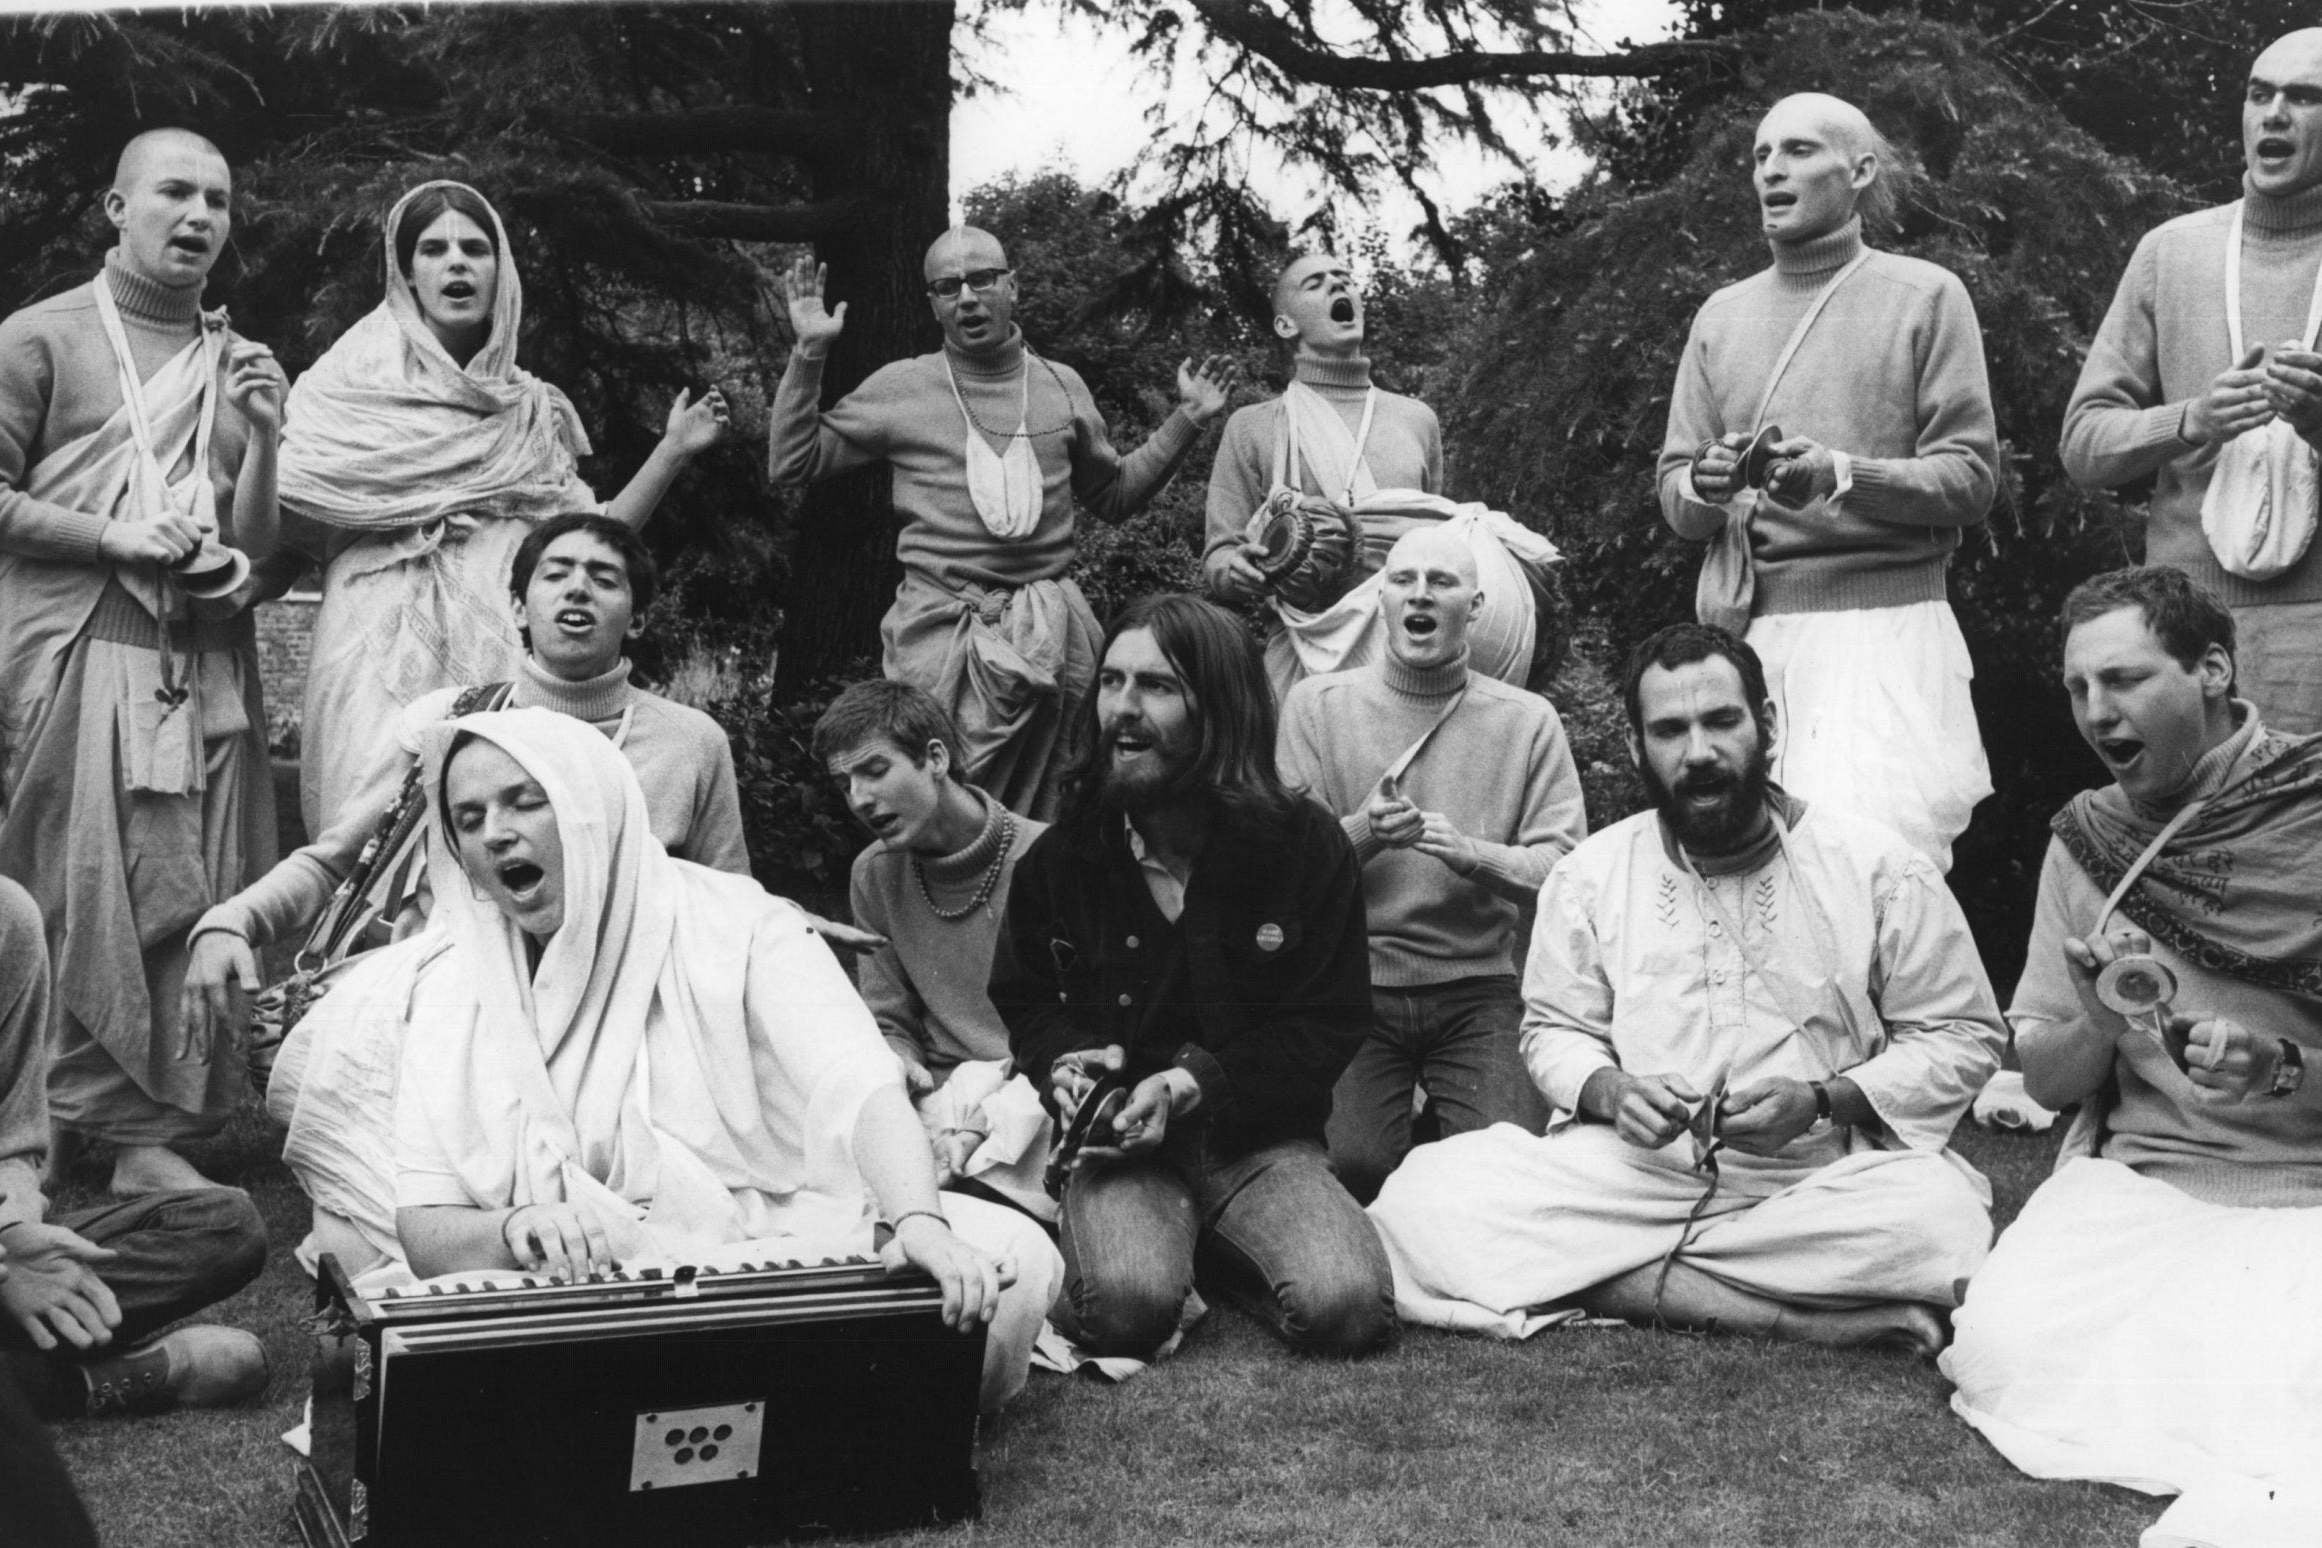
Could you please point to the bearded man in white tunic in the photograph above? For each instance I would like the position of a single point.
(138, 438)
(1759, 1021)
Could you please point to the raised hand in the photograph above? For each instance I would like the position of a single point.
(1202, 391)
(695, 425)
(255, 384)
(2233, 404)
(814, 326)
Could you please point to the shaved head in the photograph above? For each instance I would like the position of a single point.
(1835, 119)
(1428, 596)
(2281, 116)
(152, 142)
(1432, 548)
(1294, 274)
(962, 250)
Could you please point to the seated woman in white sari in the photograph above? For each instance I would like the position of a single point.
(427, 453)
(609, 1057)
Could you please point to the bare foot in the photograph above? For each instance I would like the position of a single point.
(1904, 1325)
(141, 1169)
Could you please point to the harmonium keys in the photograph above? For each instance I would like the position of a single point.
(735, 1406)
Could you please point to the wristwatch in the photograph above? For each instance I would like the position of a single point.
(1821, 1101)
(2289, 1070)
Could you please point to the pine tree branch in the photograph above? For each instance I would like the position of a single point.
(1248, 26)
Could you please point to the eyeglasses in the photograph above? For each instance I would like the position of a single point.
(980, 281)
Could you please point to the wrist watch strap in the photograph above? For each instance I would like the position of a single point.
(2289, 1070)
(1821, 1101)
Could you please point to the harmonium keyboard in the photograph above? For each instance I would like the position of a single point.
(739, 1406)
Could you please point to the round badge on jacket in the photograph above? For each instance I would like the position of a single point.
(1269, 937)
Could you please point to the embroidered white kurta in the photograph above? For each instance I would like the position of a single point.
(1853, 960)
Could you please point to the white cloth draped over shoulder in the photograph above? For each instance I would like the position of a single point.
(387, 430)
(1350, 633)
(107, 473)
(686, 1055)
(430, 472)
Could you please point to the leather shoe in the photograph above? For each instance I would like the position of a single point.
(202, 1366)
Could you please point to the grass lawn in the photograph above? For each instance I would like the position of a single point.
(1582, 1436)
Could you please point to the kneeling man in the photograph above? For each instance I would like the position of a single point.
(933, 890)
(1191, 925)
(1458, 793)
(1759, 1022)
(2149, 1319)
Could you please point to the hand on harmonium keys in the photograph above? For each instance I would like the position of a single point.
(568, 1242)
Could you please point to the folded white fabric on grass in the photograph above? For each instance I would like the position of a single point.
(2004, 1104)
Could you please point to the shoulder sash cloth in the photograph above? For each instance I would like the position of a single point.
(1729, 583)
(2258, 512)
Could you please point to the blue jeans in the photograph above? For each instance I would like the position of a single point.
(178, 1252)
(1286, 1240)
(1457, 1041)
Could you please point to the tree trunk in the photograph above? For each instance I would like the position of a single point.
(886, 67)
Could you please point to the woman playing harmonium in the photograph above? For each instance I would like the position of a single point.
(425, 452)
(612, 1058)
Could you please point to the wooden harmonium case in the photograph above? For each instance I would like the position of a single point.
(738, 1406)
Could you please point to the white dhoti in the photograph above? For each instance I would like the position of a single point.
(2128, 1332)
(1877, 717)
(1487, 1231)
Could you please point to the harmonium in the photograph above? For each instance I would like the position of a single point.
(748, 1405)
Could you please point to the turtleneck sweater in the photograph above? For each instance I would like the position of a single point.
(1891, 374)
(929, 986)
(682, 758)
(1405, 449)
(2162, 343)
(1498, 769)
(904, 415)
(58, 383)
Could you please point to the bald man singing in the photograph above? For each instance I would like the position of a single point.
(1458, 793)
(1834, 547)
(2205, 378)
(137, 433)
(989, 446)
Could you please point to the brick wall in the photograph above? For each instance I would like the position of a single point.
(285, 629)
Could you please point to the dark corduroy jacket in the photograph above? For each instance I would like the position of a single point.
(1260, 990)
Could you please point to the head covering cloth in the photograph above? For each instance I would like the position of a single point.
(622, 1068)
(387, 430)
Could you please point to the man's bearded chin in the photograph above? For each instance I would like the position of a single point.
(1720, 828)
(1143, 788)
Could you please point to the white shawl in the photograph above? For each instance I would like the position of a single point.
(650, 1063)
(387, 430)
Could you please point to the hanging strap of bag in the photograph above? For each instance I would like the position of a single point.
(390, 852)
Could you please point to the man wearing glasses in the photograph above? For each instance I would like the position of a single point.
(989, 446)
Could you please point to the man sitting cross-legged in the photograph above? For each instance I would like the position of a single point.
(580, 583)
(81, 1296)
(1800, 973)
(2149, 1319)
(1192, 925)
(934, 889)
(1458, 793)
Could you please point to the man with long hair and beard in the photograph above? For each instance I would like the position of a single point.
(1190, 936)
(1759, 1020)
